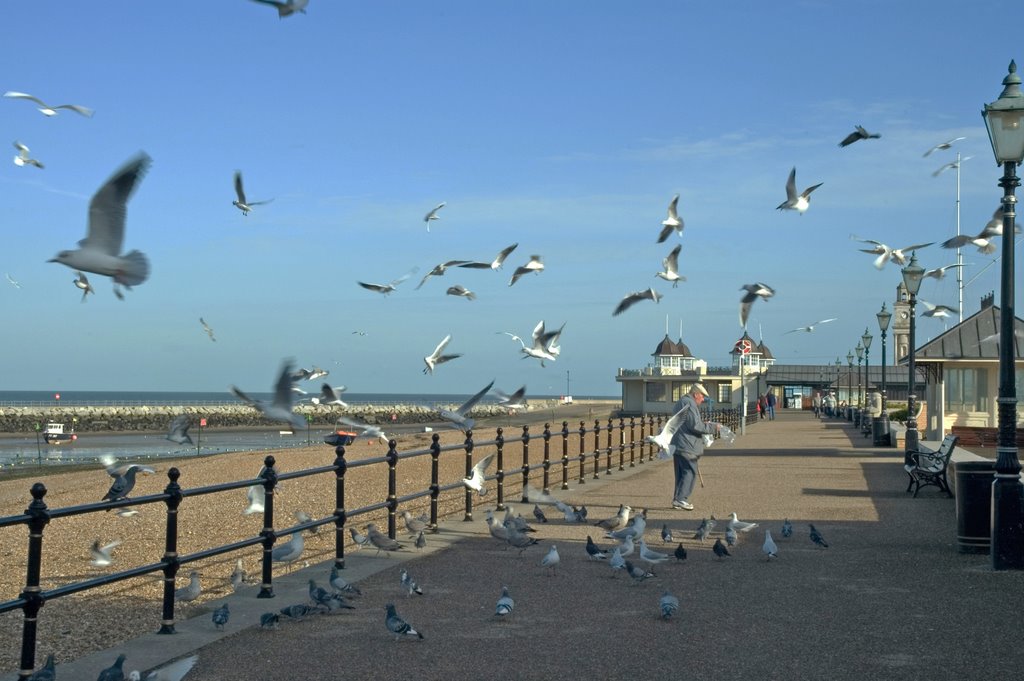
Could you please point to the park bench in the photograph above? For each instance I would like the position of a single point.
(928, 467)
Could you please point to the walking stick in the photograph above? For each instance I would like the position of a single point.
(700, 477)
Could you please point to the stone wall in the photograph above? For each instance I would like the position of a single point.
(157, 418)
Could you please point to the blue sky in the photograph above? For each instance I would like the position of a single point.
(563, 126)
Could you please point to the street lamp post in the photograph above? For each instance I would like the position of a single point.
(849, 386)
(882, 429)
(860, 407)
(865, 419)
(1004, 119)
(912, 276)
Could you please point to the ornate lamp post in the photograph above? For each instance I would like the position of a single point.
(835, 385)
(912, 276)
(865, 418)
(882, 429)
(860, 407)
(1004, 119)
(849, 386)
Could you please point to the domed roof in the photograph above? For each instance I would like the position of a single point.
(765, 352)
(745, 341)
(683, 349)
(666, 347)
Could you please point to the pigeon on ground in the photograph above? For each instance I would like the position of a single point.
(115, 672)
(220, 616)
(669, 604)
(593, 551)
(942, 146)
(475, 481)
(680, 552)
(48, 110)
(82, 282)
(318, 594)
(666, 534)
(289, 551)
(817, 538)
(269, 620)
(551, 559)
(535, 265)
(460, 417)
(704, 529)
(495, 264)
(45, 673)
(99, 251)
(616, 562)
(770, 549)
(720, 550)
(409, 585)
(671, 265)
(517, 538)
(414, 525)
(420, 542)
(280, 408)
(635, 297)
(738, 525)
(286, 7)
(101, 554)
(539, 514)
(432, 215)
(787, 528)
(672, 222)
(798, 202)
(730, 536)
(341, 586)
(300, 610)
(858, 134)
(190, 591)
(177, 432)
(505, 604)
(753, 292)
(396, 625)
(460, 291)
(617, 521)
(381, 541)
(237, 576)
(23, 158)
(175, 671)
(359, 538)
(438, 356)
(638, 573)
(240, 202)
(207, 329)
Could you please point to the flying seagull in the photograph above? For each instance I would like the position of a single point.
(82, 282)
(672, 222)
(534, 265)
(48, 110)
(98, 251)
(950, 166)
(461, 291)
(240, 202)
(437, 356)
(753, 292)
(937, 310)
(101, 554)
(940, 272)
(178, 430)
(23, 159)
(859, 133)
(385, 289)
(286, 7)
(898, 256)
(475, 481)
(516, 400)
(329, 395)
(635, 297)
(942, 146)
(810, 327)
(495, 264)
(671, 265)
(438, 270)
(800, 202)
(207, 329)
(280, 408)
(432, 215)
(12, 281)
(365, 430)
(460, 417)
(983, 240)
(544, 346)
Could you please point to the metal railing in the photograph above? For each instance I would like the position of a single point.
(38, 516)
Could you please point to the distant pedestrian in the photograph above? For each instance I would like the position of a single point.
(771, 405)
(762, 406)
(689, 443)
(816, 404)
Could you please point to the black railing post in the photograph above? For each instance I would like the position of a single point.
(644, 421)
(597, 448)
(468, 444)
(608, 453)
(526, 460)
(499, 478)
(435, 476)
(340, 467)
(547, 457)
(32, 593)
(622, 443)
(392, 457)
(583, 453)
(632, 441)
(171, 564)
(269, 476)
(565, 455)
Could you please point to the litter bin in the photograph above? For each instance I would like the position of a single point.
(881, 432)
(856, 417)
(974, 505)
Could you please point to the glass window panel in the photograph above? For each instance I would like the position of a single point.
(655, 392)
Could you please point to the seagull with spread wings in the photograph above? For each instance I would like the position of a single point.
(810, 327)
(632, 298)
(942, 146)
(885, 254)
(495, 264)
(798, 202)
(438, 356)
(240, 201)
(207, 329)
(48, 110)
(385, 289)
(672, 222)
(753, 292)
(23, 158)
(286, 7)
(432, 215)
(671, 265)
(858, 134)
(280, 408)
(460, 417)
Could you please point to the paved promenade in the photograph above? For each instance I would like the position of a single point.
(889, 599)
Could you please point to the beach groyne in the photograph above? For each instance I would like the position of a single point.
(157, 418)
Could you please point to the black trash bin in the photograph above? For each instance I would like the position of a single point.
(974, 505)
(856, 417)
(880, 430)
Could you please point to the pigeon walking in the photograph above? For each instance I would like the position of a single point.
(505, 604)
(341, 586)
(817, 538)
(396, 625)
(593, 551)
(638, 574)
(720, 550)
(414, 525)
(669, 604)
(359, 538)
(539, 514)
(730, 536)
(680, 552)
(409, 585)
(666, 534)
(220, 616)
(114, 672)
(787, 528)
(420, 542)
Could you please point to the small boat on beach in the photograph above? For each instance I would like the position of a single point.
(55, 435)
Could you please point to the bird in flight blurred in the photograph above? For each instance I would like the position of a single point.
(858, 134)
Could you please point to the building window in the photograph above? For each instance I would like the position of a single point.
(966, 390)
(688, 364)
(655, 392)
(678, 390)
(724, 393)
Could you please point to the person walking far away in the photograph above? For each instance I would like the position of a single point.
(771, 405)
(689, 443)
(762, 406)
(816, 403)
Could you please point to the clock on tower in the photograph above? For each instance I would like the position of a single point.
(901, 324)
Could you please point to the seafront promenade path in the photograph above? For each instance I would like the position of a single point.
(890, 598)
